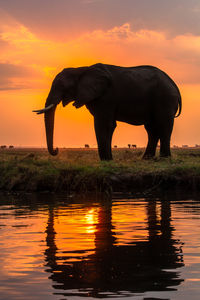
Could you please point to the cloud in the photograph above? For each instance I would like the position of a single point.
(124, 33)
(91, 1)
(16, 77)
(40, 59)
(179, 55)
(64, 19)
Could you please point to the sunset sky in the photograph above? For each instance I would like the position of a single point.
(40, 38)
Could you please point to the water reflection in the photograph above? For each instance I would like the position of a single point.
(88, 253)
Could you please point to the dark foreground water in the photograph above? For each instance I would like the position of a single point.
(56, 248)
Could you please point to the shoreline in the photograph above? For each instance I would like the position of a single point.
(80, 171)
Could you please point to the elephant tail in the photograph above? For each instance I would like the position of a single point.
(179, 96)
(179, 106)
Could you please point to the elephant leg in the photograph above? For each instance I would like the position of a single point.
(165, 137)
(153, 138)
(104, 130)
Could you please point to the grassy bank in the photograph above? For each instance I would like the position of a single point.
(80, 170)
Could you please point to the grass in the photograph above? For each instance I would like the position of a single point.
(80, 170)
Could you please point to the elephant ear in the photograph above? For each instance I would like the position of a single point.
(92, 84)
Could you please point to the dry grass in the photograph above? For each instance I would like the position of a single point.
(80, 169)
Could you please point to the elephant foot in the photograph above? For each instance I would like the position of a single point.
(148, 156)
(106, 159)
(165, 155)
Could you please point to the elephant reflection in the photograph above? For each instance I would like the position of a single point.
(137, 267)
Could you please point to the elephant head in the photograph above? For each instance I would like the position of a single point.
(80, 85)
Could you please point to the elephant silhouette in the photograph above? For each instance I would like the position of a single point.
(142, 95)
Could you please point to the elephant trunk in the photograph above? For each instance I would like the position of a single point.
(49, 126)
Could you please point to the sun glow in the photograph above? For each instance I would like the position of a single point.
(91, 219)
(81, 225)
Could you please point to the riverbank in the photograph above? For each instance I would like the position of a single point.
(79, 170)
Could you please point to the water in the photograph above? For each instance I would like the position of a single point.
(58, 248)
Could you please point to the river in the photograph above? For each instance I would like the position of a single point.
(58, 248)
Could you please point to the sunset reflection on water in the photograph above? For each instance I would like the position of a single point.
(119, 248)
(75, 228)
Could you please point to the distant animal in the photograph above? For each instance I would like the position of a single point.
(142, 95)
(87, 146)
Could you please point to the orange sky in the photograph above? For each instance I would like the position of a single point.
(32, 52)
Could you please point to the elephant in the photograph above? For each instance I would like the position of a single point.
(140, 95)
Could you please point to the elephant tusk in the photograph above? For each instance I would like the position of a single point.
(43, 110)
